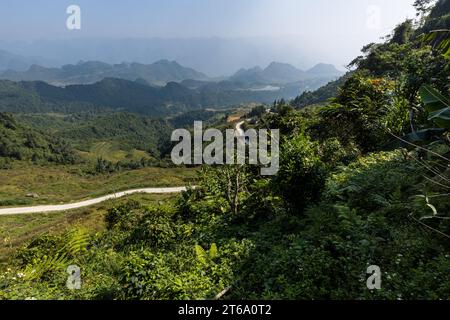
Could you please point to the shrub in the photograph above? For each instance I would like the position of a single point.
(302, 174)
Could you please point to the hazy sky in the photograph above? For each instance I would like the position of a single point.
(340, 27)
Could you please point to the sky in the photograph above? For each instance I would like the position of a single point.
(338, 28)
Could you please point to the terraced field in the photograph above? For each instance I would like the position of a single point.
(109, 151)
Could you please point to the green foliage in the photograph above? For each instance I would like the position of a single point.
(124, 130)
(257, 111)
(124, 217)
(440, 40)
(373, 181)
(333, 153)
(206, 257)
(362, 113)
(321, 95)
(156, 229)
(302, 175)
(403, 32)
(436, 16)
(437, 105)
(186, 120)
(178, 274)
(438, 108)
(22, 143)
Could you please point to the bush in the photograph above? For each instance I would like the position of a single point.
(374, 181)
(302, 174)
(156, 229)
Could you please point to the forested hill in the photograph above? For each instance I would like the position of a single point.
(132, 96)
(112, 94)
(321, 95)
(20, 142)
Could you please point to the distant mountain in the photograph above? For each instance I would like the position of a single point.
(213, 56)
(159, 73)
(108, 94)
(281, 74)
(15, 62)
(321, 95)
(253, 75)
(322, 70)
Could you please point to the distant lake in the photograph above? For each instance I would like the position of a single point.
(266, 88)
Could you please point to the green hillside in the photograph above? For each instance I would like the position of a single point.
(23, 143)
(111, 94)
(113, 136)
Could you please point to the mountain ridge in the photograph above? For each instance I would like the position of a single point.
(162, 72)
(282, 73)
(158, 73)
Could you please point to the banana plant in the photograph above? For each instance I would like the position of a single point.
(437, 105)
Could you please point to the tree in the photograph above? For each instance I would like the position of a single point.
(403, 32)
(423, 7)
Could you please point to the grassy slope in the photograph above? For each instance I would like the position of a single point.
(56, 184)
(111, 151)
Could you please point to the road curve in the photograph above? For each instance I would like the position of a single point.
(239, 131)
(87, 203)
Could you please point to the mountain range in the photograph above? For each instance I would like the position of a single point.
(158, 73)
(283, 73)
(158, 89)
(161, 72)
(11, 61)
(214, 56)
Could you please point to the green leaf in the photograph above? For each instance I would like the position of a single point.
(441, 118)
(213, 252)
(421, 137)
(433, 99)
(440, 41)
(201, 254)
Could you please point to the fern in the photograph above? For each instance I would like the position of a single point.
(201, 254)
(206, 257)
(77, 241)
(213, 252)
(46, 264)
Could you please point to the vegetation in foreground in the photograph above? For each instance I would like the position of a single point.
(18, 230)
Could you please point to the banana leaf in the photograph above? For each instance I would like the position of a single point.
(433, 99)
(418, 138)
(441, 118)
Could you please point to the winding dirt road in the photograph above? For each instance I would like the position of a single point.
(87, 203)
